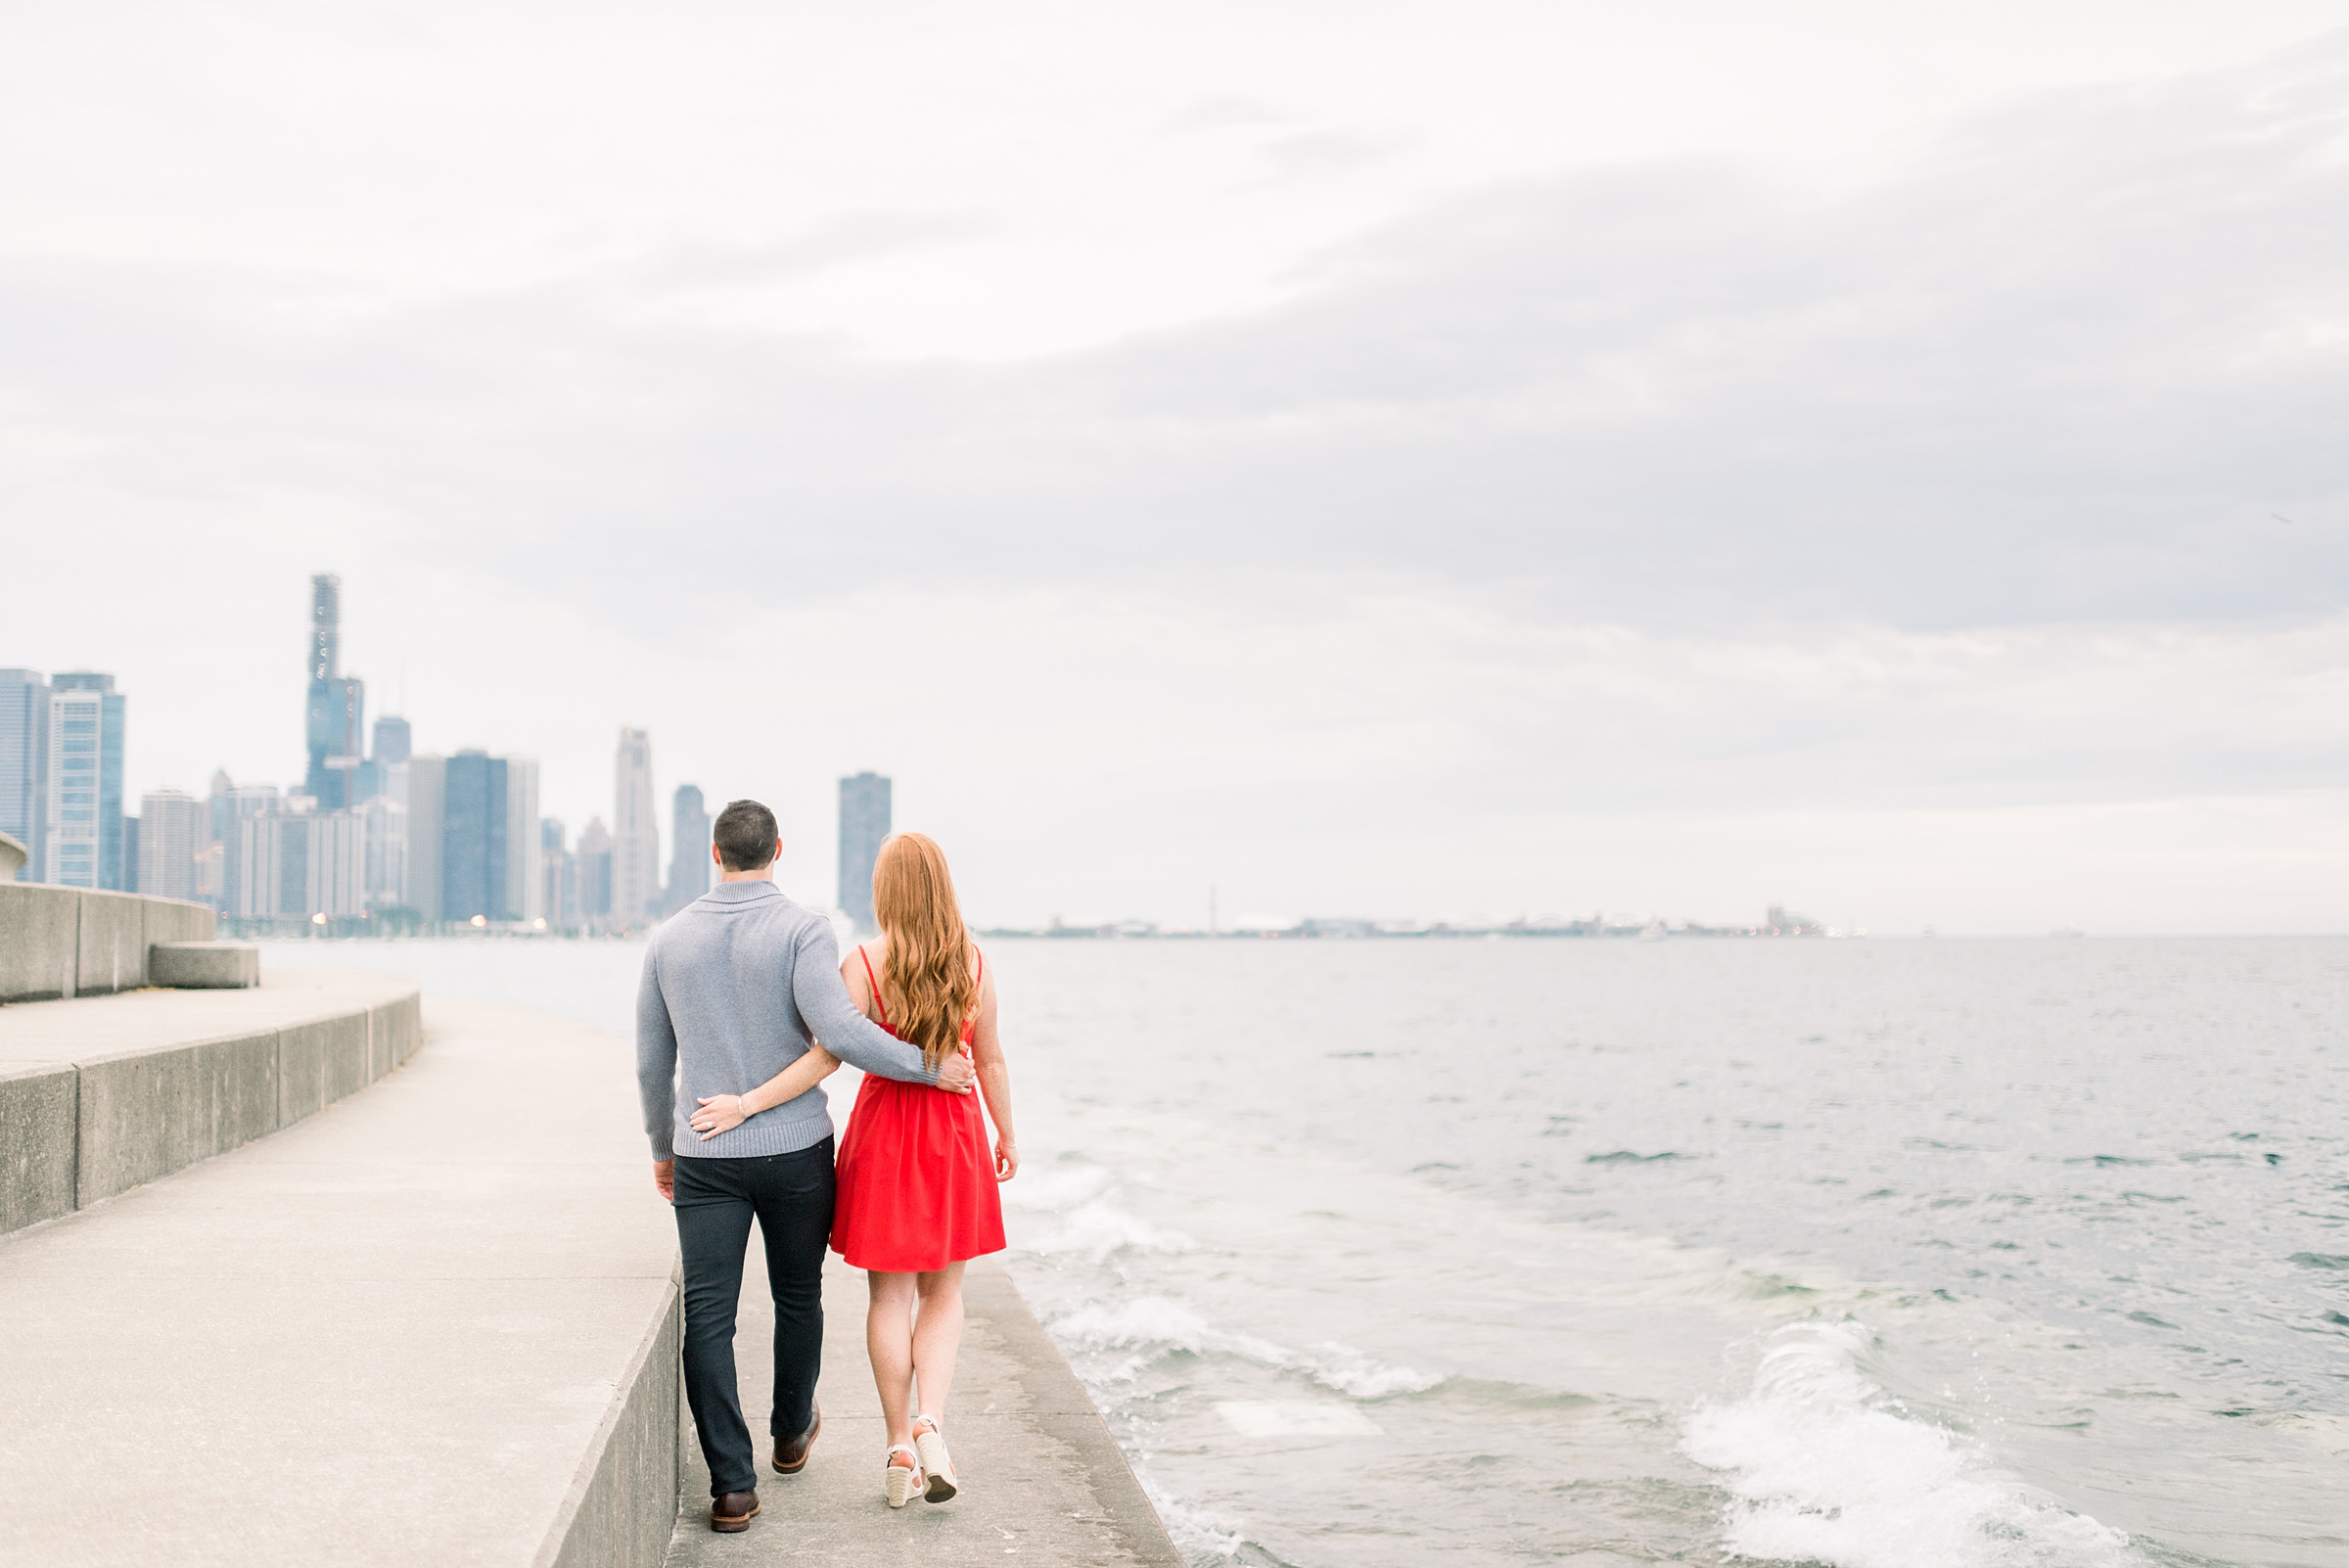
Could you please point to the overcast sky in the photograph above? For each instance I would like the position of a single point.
(1399, 459)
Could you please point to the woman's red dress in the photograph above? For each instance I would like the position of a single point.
(916, 1179)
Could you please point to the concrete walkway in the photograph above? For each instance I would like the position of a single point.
(420, 1326)
(1042, 1482)
(436, 1324)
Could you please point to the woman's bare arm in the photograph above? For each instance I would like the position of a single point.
(720, 1113)
(995, 1080)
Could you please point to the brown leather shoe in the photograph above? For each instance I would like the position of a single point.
(730, 1511)
(791, 1454)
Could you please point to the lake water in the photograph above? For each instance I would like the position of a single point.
(1874, 1254)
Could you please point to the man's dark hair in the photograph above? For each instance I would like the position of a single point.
(745, 835)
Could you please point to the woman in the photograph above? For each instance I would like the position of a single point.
(917, 1182)
(916, 1178)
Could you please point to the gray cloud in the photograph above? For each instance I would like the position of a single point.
(2069, 368)
(1323, 155)
(1225, 110)
(839, 242)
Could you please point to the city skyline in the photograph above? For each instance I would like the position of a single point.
(462, 842)
(294, 863)
(380, 836)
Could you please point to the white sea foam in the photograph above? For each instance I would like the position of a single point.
(1056, 1189)
(1150, 1327)
(1089, 1223)
(1197, 1534)
(1155, 1325)
(1151, 1322)
(1348, 1371)
(1100, 1228)
(1825, 1469)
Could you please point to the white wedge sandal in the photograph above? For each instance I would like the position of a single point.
(904, 1482)
(934, 1458)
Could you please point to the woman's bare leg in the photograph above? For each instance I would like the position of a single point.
(889, 1340)
(937, 1335)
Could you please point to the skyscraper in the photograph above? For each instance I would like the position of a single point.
(385, 790)
(383, 822)
(863, 824)
(558, 892)
(472, 838)
(393, 741)
(231, 803)
(295, 864)
(526, 898)
(211, 861)
(259, 868)
(223, 826)
(689, 849)
(337, 882)
(85, 808)
(635, 834)
(336, 706)
(25, 767)
(428, 778)
(174, 830)
(594, 875)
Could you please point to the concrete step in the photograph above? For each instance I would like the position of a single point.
(98, 1094)
(204, 965)
(79, 942)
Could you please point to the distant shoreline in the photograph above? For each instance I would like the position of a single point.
(1386, 930)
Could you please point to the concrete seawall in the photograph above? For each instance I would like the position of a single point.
(99, 1094)
(69, 942)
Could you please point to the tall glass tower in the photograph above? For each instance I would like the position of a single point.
(335, 708)
(85, 781)
(474, 846)
(863, 824)
(636, 834)
(689, 849)
(25, 767)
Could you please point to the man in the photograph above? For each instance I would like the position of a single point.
(736, 987)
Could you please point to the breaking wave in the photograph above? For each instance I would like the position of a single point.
(1075, 1215)
(1151, 1327)
(1823, 1467)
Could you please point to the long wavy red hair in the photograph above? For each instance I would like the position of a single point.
(926, 973)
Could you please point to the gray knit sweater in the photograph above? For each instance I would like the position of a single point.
(736, 985)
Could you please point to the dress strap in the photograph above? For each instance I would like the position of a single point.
(864, 958)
